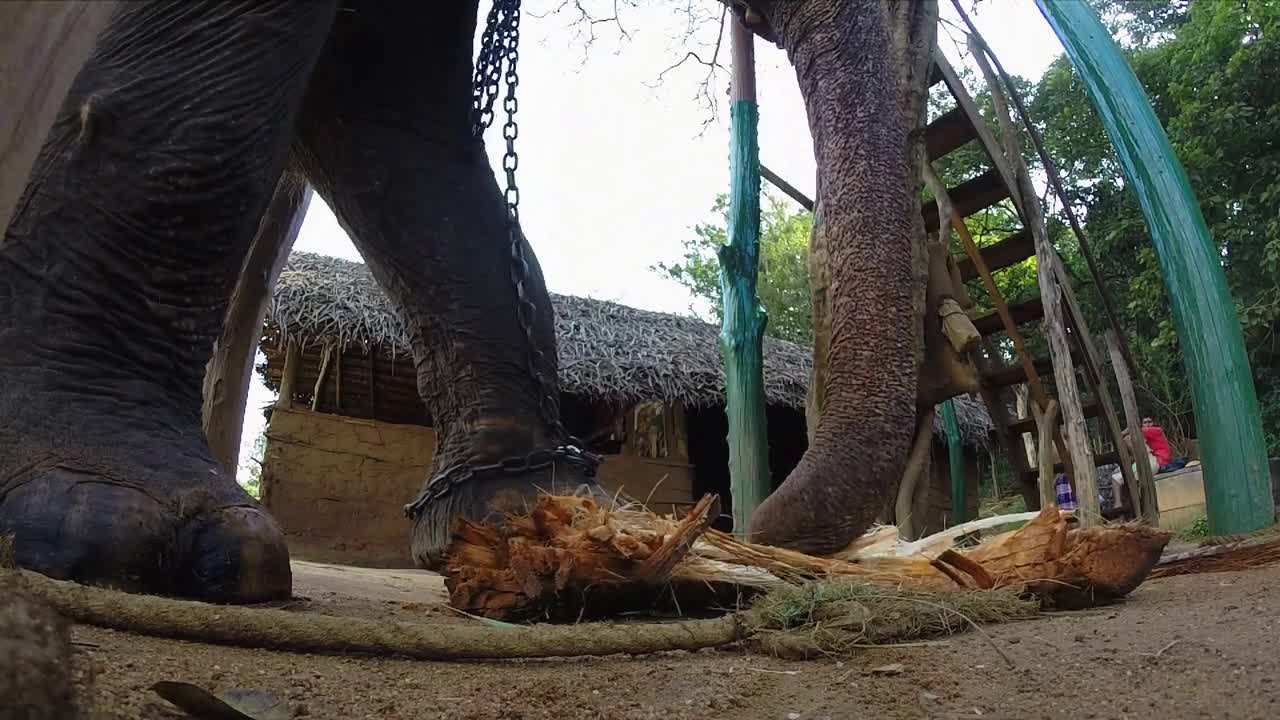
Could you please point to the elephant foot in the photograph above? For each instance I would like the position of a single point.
(491, 493)
(184, 529)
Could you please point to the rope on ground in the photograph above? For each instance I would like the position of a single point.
(314, 633)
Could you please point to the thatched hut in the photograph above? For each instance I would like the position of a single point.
(350, 441)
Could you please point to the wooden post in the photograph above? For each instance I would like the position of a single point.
(1046, 423)
(42, 46)
(337, 380)
(1076, 429)
(787, 188)
(995, 481)
(914, 475)
(1079, 457)
(1146, 490)
(978, 45)
(230, 369)
(325, 357)
(289, 375)
(742, 331)
(955, 459)
(373, 375)
(1026, 203)
(1237, 482)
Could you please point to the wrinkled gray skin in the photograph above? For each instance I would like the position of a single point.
(116, 269)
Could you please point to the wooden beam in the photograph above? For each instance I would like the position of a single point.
(1016, 374)
(987, 141)
(787, 188)
(935, 74)
(934, 183)
(947, 132)
(1011, 164)
(1144, 495)
(969, 197)
(337, 380)
(289, 375)
(42, 46)
(373, 387)
(1055, 181)
(1010, 327)
(321, 376)
(1111, 457)
(1008, 252)
(1028, 424)
(1000, 416)
(1046, 421)
(1022, 313)
(1053, 289)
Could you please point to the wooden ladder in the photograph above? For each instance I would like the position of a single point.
(1002, 181)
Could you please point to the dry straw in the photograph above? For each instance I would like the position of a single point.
(838, 617)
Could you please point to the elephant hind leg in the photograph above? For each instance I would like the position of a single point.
(387, 141)
(115, 274)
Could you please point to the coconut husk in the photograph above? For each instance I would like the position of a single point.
(569, 557)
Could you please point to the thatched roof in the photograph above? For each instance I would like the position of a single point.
(607, 351)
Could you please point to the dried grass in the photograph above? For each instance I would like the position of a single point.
(838, 617)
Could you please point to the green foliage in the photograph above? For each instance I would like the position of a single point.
(1197, 530)
(1208, 69)
(250, 475)
(1004, 505)
(784, 266)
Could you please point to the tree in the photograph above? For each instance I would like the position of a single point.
(784, 266)
(1206, 67)
(250, 475)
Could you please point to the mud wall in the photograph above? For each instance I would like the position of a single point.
(938, 515)
(337, 485)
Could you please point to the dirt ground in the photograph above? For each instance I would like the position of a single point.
(1187, 647)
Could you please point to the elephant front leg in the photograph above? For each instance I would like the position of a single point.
(114, 276)
(387, 141)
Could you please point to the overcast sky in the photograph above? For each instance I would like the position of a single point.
(616, 168)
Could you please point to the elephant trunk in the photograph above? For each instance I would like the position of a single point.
(849, 57)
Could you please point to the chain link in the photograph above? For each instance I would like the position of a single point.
(499, 45)
(462, 473)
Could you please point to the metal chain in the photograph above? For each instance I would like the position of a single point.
(499, 44)
(457, 475)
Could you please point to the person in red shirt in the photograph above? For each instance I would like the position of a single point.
(1159, 445)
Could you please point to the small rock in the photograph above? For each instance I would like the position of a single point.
(890, 669)
(928, 696)
(793, 716)
(1079, 637)
(1014, 640)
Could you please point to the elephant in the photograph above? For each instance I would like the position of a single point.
(125, 246)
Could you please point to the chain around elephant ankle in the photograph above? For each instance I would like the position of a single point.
(499, 45)
(457, 475)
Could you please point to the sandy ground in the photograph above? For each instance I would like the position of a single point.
(1188, 647)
